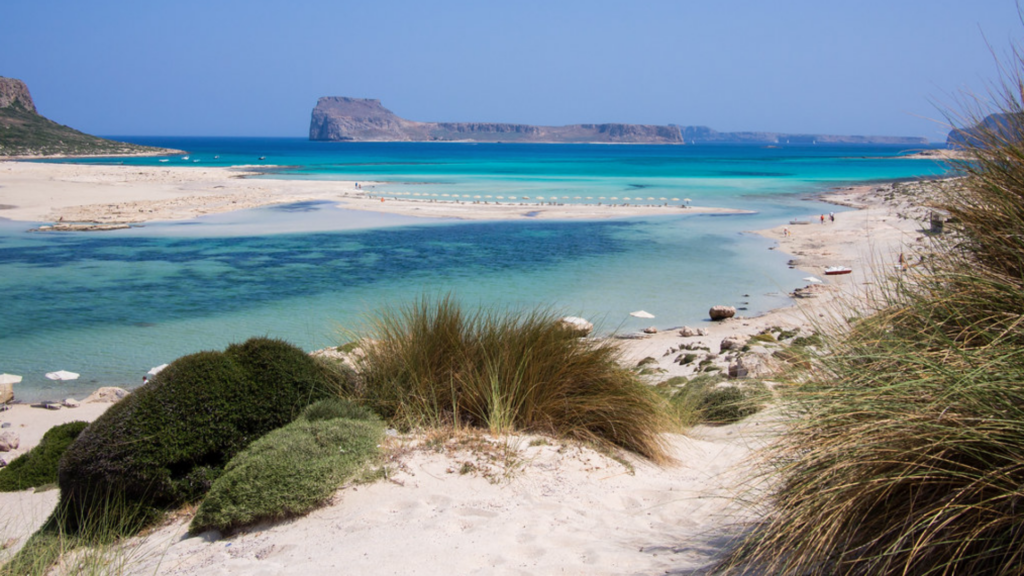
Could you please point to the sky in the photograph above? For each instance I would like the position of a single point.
(257, 67)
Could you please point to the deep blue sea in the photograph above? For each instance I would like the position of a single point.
(111, 305)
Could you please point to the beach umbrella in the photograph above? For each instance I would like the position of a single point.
(812, 280)
(156, 369)
(62, 375)
(687, 200)
(675, 199)
(9, 379)
(641, 314)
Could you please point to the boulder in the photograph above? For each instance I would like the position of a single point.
(9, 441)
(71, 403)
(721, 312)
(579, 326)
(650, 330)
(753, 366)
(108, 394)
(733, 342)
(6, 393)
(688, 332)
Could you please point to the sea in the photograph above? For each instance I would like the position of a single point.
(111, 305)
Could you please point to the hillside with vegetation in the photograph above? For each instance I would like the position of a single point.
(24, 132)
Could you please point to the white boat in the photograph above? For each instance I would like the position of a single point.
(184, 157)
(164, 160)
(836, 270)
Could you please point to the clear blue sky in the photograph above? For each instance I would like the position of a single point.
(256, 68)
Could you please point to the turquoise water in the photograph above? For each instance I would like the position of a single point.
(112, 305)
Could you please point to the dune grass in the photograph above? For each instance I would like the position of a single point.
(432, 363)
(907, 452)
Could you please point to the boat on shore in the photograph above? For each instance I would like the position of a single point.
(837, 270)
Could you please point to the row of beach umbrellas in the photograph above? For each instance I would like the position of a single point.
(511, 197)
(65, 375)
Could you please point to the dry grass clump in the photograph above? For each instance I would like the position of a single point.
(907, 453)
(432, 363)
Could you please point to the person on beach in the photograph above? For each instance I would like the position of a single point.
(785, 231)
(832, 216)
(822, 218)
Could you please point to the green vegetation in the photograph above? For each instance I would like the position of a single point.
(709, 399)
(293, 469)
(166, 443)
(25, 133)
(38, 466)
(907, 453)
(431, 363)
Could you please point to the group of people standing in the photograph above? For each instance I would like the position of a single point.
(831, 217)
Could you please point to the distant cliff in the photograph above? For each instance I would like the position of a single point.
(23, 132)
(705, 135)
(340, 119)
(1006, 126)
(337, 118)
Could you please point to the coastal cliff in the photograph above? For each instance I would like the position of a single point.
(341, 119)
(24, 132)
(338, 118)
(706, 135)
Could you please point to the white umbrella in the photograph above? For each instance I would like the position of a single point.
(812, 279)
(641, 314)
(61, 375)
(156, 369)
(9, 379)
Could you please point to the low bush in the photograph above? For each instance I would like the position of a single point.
(167, 442)
(38, 466)
(704, 400)
(291, 470)
(432, 363)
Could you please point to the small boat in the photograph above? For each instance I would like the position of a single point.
(184, 157)
(798, 221)
(263, 157)
(164, 160)
(837, 270)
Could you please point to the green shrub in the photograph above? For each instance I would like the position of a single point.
(332, 408)
(431, 363)
(703, 400)
(288, 472)
(167, 442)
(39, 465)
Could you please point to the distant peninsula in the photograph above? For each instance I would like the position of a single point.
(25, 132)
(342, 119)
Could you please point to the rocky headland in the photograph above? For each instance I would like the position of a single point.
(342, 119)
(26, 133)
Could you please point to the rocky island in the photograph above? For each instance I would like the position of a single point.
(337, 118)
(342, 119)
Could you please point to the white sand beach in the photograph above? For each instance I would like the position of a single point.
(543, 506)
(122, 195)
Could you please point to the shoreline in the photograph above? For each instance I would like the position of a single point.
(647, 518)
(86, 197)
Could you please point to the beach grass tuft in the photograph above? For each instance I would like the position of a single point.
(906, 454)
(433, 363)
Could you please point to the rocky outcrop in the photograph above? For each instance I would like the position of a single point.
(9, 441)
(24, 132)
(706, 135)
(108, 394)
(337, 118)
(15, 93)
(578, 326)
(721, 312)
(994, 128)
